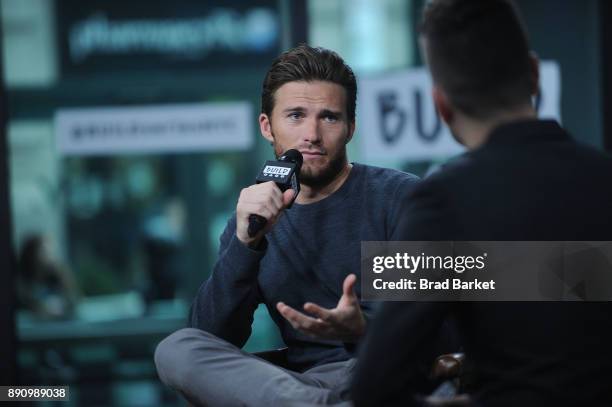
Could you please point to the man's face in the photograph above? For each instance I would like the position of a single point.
(311, 117)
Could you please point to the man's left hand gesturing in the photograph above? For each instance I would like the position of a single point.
(344, 323)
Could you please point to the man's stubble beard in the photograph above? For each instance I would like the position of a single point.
(326, 175)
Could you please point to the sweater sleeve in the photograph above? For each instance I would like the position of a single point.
(399, 199)
(225, 302)
(395, 199)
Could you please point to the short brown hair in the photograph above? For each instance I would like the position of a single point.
(478, 52)
(306, 63)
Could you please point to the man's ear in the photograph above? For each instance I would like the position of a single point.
(351, 131)
(265, 127)
(534, 63)
(442, 104)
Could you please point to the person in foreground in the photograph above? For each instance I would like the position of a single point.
(301, 264)
(522, 179)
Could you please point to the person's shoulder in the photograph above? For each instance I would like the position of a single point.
(451, 171)
(592, 155)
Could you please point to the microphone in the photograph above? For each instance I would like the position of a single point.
(285, 173)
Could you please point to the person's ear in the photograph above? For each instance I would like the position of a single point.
(265, 127)
(442, 104)
(351, 131)
(534, 63)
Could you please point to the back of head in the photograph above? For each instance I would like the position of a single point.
(478, 53)
(306, 63)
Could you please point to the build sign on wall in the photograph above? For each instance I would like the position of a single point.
(397, 118)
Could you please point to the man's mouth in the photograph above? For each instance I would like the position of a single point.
(311, 154)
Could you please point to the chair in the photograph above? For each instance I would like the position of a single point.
(448, 366)
(448, 370)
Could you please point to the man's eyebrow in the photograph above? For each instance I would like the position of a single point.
(326, 112)
(294, 109)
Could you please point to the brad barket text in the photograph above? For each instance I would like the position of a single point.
(424, 284)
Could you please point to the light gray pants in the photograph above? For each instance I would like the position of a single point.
(209, 371)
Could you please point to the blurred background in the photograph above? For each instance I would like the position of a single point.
(129, 129)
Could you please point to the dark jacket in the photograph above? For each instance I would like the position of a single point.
(529, 181)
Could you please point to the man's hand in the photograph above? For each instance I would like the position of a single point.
(344, 323)
(264, 200)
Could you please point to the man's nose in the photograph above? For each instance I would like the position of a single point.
(312, 133)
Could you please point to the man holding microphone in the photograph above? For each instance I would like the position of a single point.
(299, 263)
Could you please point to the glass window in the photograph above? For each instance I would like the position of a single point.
(112, 242)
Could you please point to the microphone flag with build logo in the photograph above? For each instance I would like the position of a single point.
(285, 173)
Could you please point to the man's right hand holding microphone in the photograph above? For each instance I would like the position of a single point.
(265, 200)
(260, 205)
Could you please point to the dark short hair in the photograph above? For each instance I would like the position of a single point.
(478, 52)
(306, 63)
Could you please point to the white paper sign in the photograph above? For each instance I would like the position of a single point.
(397, 118)
(155, 129)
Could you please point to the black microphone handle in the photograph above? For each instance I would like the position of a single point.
(256, 223)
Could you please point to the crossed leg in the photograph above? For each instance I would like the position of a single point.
(209, 371)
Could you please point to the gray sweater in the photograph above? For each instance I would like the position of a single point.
(305, 257)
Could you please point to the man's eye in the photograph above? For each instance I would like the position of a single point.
(294, 115)
(330, 118)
